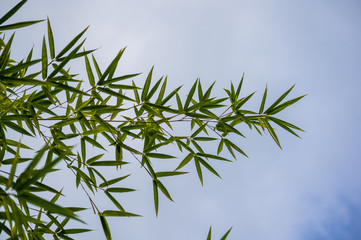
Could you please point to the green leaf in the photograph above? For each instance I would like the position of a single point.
(119, 190)
(115, 180)
(75, 231)
(190, 95)
(13, 167)
(163, 189)
(51, 207)
(105, 226)
(199, 170)
(159, 155)
(93, 142)
(168, 174)
(234, 146)
(161, 92)
(112, 213)
(155, 196)
(165, 100)
(51, 40)
(147, 85)
(93, 159)
(65, 61)
(113, 93)
(12, 11)
(284, 105)
(263, 101)
(209, 234)
(226, 234)
(17, 128)
(239, 87)
(19, 67)
(115, 202)
(89, 71)
(121, 78)
(83, 149)
(284, 125)
(271, 132)
(278, 100)
(185, 161)
(209, 167)
(107, 163)
(71, 44)
(111, 68)
(154, 89)
(18, 25)
(207, 155)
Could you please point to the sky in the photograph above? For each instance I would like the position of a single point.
(311, 189)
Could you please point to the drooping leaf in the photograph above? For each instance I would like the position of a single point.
(105, 227)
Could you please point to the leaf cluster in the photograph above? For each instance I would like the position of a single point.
(41, 100)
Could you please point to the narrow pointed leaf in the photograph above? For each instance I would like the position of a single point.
(226, 234)
(105, 227)
(147, 85)
(51, 41)
(71, 44)
(263, 101)
(279, 100)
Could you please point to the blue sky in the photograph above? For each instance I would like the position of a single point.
(310, 189)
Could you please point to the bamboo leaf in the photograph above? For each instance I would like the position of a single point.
(163, 189)
(65, 61)
(71, 44)
(169, 174)
(119, 190)
(209, 234)
(107, 163)
(89, 71)
(226, 234)
(105, 226)
(207, 155)
(117, 79)
(113, 181)
(18, 25)
(263, 101)
(115, 202)
(51, 40)
(111, 68)
(159, 155)
(209, 167)
(112, 213)
(19, 67)
(17, 128)
(12, 11)
(190, 95)
(278, 100)
(155, 196)
(271, 131)
(161, 92)
(284, 105)
(147, 85)
(185, 161)
(199, 170)
(51, 207)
